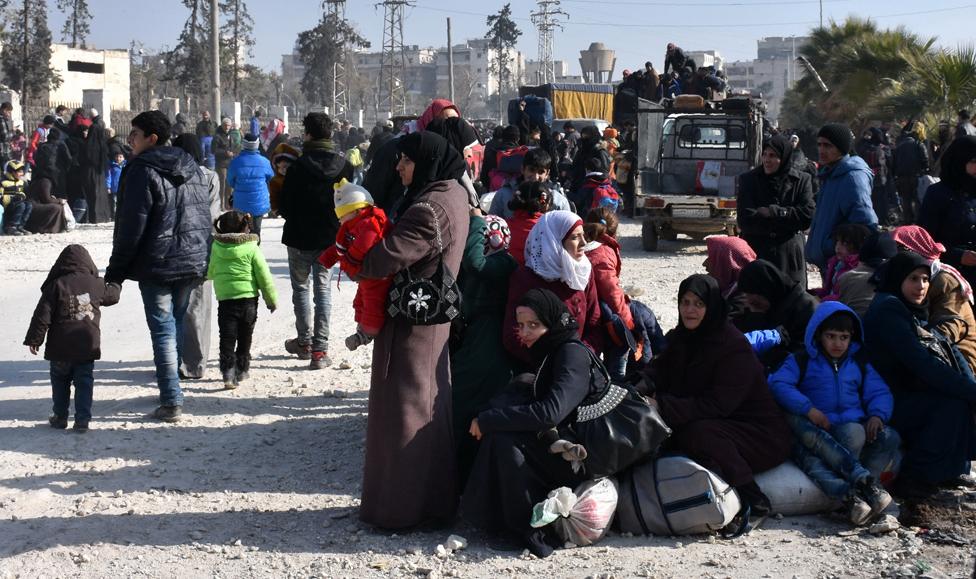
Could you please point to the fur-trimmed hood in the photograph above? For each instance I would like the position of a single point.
(235, 238)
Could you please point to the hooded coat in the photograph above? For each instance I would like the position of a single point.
(239, 270)
(845, 197)
(788, 194)
(409, 475)
(162, 219)
(948, 211)
(835, 388)
(712, 392)
(69, 310)
(307, 198)
(249, 174)
(932, 401)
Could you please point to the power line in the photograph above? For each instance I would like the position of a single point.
(713, 4)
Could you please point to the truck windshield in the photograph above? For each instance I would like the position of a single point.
(695, 136)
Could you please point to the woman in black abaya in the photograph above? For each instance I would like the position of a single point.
(92, 166)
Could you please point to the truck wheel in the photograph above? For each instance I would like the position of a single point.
(649, 236)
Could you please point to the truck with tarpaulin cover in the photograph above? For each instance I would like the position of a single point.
(689, 155)
(575, 100)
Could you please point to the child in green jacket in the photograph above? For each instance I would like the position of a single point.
(239, 271)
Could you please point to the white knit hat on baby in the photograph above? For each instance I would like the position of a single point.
(350, 197)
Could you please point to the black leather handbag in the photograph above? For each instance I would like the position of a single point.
(617, 426)
(426, 301)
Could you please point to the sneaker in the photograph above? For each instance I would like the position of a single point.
(12, 232)
(858, 511)
(230, 380)
(59, 422)
(243, 375)
(80, 426)
(24, 231)
(875, 496)
(320, 361)
(303, 351)
(168, 413)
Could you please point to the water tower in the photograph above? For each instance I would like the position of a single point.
(597, 63)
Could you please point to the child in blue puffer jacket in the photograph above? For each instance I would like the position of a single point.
(837, 406)
(249, 174)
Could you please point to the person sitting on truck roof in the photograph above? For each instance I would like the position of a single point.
(674, 58)
(535, 168)
(845, 193)
(650, 83)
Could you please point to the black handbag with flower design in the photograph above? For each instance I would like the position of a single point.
(426, 301)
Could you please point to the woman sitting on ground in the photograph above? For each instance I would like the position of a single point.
(514, 468)
(933, 401)
(712, 392)
(950, 295)
(554, 260)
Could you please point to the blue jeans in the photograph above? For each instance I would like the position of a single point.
(62, 375)
(838, 459)
(615, 358)
(166, 305)
(17, 214)
(303, 265)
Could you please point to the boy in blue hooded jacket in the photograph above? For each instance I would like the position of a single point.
(838, 406)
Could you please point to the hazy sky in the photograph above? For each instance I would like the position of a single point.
(637, 30)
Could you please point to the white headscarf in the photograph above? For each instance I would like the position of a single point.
(546, 256)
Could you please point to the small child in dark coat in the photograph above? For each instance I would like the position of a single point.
(68, 313)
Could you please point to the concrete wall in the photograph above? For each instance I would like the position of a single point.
(113, 78)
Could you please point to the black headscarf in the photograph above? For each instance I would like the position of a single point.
(190, 143)
(878, 248)
(953, 173)
(96, 149)
(894, 272)
(435, 160)
(716, 309)
(458, 132)
(781, 145)
(762, 278)
(554, 315)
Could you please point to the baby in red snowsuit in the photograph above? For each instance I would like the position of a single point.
(362, 226)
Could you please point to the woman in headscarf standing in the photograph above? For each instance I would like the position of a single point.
(409, 476)
(933, 402)
(92, 168)
(514, 468)
(775, 205)
(712, 392)
(949, 209)
(555, 260)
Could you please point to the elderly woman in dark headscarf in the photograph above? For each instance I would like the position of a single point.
(949, 209)
(514, 469)
(409, 476)
(775, 205)
(775, 302)
(93, 165)
(712, 392)
(933, 401)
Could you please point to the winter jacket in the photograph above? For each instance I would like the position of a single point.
(894, 349)
(597, 191)
(113, 175)
(499, 203)
(69, 309)
(845, 197)
(604, 256)
(950, 310)
(483, 280)
(583, 305)
(354, 240)
(37, 139)
(836, 268)
(249, 174)
(911, 159)
(307, 198)
(855, 290)
(255, 126)
(835, 388)
(206, 128)
(650, 337)
(950, 217)
(520, 225)
(162, 219)
(792, 208)
(224, 149)
(282, 151)
(239, 270)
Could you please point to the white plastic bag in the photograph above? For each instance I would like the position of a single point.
(589, 518)
(68, 216)
(923, 186)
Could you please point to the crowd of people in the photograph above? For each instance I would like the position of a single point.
(496, 319)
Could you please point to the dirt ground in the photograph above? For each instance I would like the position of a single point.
(264, 481)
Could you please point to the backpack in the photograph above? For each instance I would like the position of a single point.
(674, 495)
(604, 195)
(508, 165)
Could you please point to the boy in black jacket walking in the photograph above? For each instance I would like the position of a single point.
(69, 314)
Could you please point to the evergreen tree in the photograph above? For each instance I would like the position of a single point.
(502, 37)
(26, 58)
(77, 24)
(238, 37)
(319, 48)
(189, 62)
